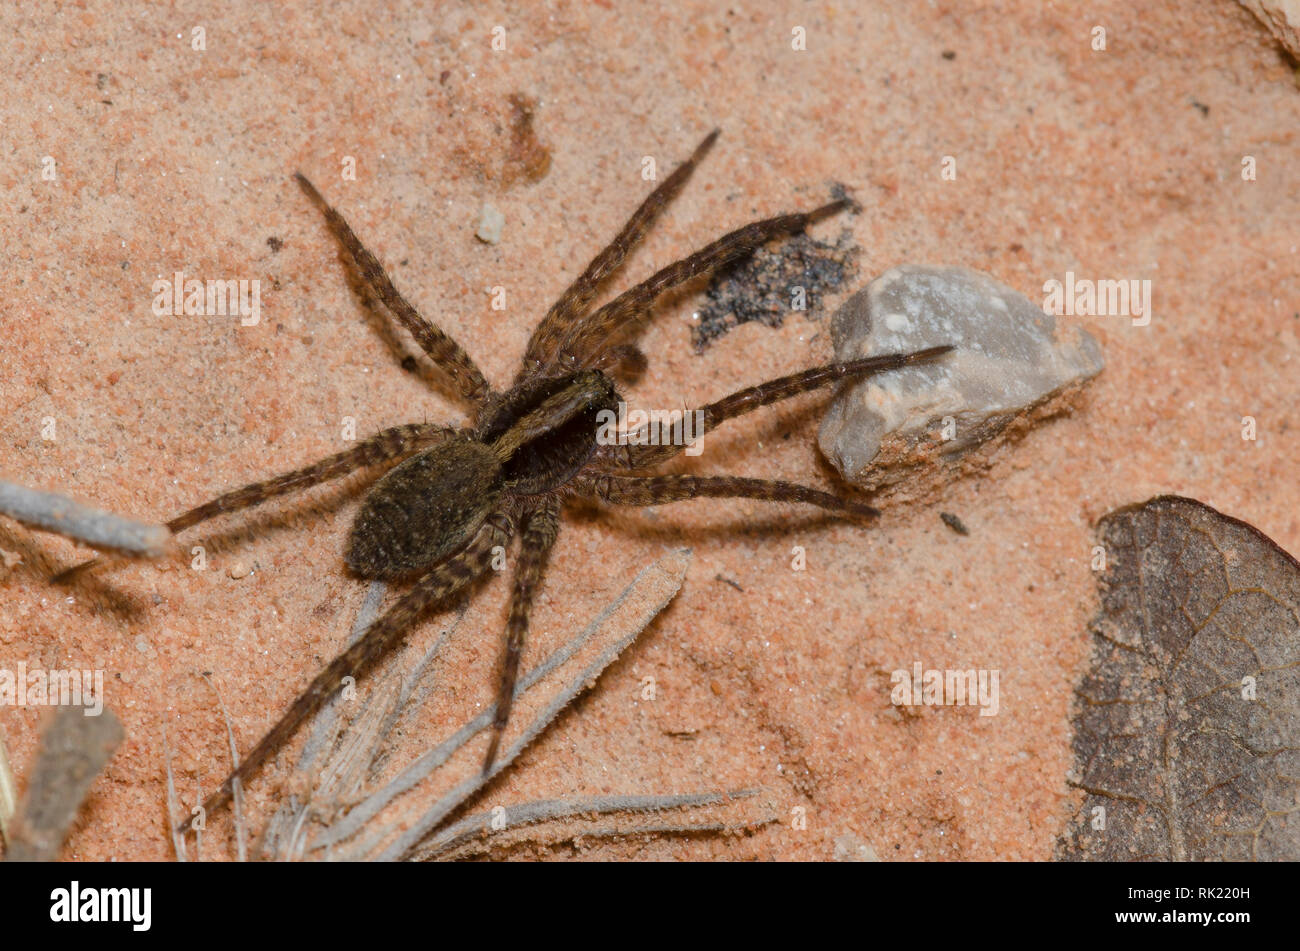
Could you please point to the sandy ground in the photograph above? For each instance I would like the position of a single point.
(1117, 164)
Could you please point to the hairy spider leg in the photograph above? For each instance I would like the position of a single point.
(539, 536)
(435, 586)
(587, 335)
(383, 446)
(646, 448)
(437, 343)
(575, 300)
(660, 489)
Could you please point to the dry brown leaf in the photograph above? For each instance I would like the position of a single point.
(1187, 726)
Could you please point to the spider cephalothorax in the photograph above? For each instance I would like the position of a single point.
(453, 496)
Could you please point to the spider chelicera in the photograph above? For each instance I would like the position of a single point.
(455, 495)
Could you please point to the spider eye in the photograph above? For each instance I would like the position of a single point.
(424, 510)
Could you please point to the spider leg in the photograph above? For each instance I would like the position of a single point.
(386, 444)
(588, 333)
(625, 362)
(439, 345)
(439, 583)
(657, 490)
(539, 536)
(650, 445)
(576, 298)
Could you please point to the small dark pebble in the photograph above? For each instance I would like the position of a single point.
(953, 522)
(1205, 110)
(274, 243)
(949, 54)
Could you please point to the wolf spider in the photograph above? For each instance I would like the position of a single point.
(458, 493)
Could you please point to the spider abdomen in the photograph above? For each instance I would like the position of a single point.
(424, 510)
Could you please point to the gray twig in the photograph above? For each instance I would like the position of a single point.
(51, 512)
(461, 833)
(237, 788)
(8, 790)
(173, 803)
(337, 761)
(623, 619)
(74, 748)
